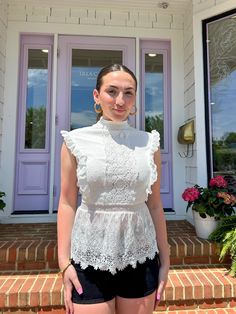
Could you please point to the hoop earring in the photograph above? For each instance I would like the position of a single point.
(96, 109)
(135, 111)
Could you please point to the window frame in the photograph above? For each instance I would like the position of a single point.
(28, 43)
(207, 108)
(163, 48)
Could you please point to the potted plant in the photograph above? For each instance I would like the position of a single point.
(209, 204)
(2, 203)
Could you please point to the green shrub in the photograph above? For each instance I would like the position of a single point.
(2, 203)
(225, 235)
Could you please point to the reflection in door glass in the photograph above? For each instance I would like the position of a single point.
(36, 99)
(222, 80)
(154, 94)
(85, 67)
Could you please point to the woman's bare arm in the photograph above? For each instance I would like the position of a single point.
(155, 206)
(67, 205)
(65, 219)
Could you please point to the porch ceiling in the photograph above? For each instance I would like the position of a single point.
(172, 5)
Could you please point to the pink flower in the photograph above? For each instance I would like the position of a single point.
(190, 194)
(218, 181)
(228, 198)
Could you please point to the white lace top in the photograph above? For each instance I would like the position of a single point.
(113, 227)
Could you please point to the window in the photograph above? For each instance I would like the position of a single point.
(154, 94)
(86, 65)
(36, 99)
(220, 69)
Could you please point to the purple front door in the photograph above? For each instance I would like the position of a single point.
(80, 59)
(33, 139)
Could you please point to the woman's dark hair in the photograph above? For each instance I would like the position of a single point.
(114, 68)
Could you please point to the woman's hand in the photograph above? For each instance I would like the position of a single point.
(70, 279)
(163, 277)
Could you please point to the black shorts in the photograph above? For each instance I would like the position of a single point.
(101, 286)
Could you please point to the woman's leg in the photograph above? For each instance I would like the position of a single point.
(98, 308)
(143, 305)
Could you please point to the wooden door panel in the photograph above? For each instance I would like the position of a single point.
(33, 177)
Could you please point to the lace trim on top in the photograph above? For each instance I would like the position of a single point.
(111, 240)
(81, 160)
(121, 170)
(155, 143)
(121, 231)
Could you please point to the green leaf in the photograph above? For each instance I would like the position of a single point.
(2, 204)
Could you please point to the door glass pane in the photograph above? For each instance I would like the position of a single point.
(85, 67)
(36, 99)
(154, 94)
(222, 77)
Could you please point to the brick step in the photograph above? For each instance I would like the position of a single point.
(28, 255)
(59, 310)
(34, 246)
(189, 288)
(205, 311)
(28, 247)
(187, 249)
(193, 250)
(42, 254)
(34, 310)
(30, 289)
(199, 287)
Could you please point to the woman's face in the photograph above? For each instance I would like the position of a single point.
(116, 96)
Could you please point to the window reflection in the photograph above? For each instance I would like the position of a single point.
(85, 67)
(154, 94)
(222, 77)
(36, 99)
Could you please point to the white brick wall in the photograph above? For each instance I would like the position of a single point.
(78, 12)
(3, 32)
(163, 21)
(17, 12)
(103, 14)
(189, 90)
(201, 5)
(91, 21)
(177, 22)
(139, 18)
(204, 4)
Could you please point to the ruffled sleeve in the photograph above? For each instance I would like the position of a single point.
(154, 146)
(71, 143)
(81, 160)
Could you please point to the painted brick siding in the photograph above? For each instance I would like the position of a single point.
(201, 5)
(94, 16)
(3, 35)
(189, 89)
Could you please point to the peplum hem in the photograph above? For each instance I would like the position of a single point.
(113, 239)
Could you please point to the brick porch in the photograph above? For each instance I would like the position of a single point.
(29, 280)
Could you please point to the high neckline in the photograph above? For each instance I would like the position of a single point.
(114, 125)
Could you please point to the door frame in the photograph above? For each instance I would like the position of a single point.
(27, 158)
(162, 47)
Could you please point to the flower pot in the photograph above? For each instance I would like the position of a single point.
(204, 226)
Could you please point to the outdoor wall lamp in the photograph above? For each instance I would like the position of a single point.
(186, 136)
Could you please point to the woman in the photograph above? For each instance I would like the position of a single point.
(117, 237)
